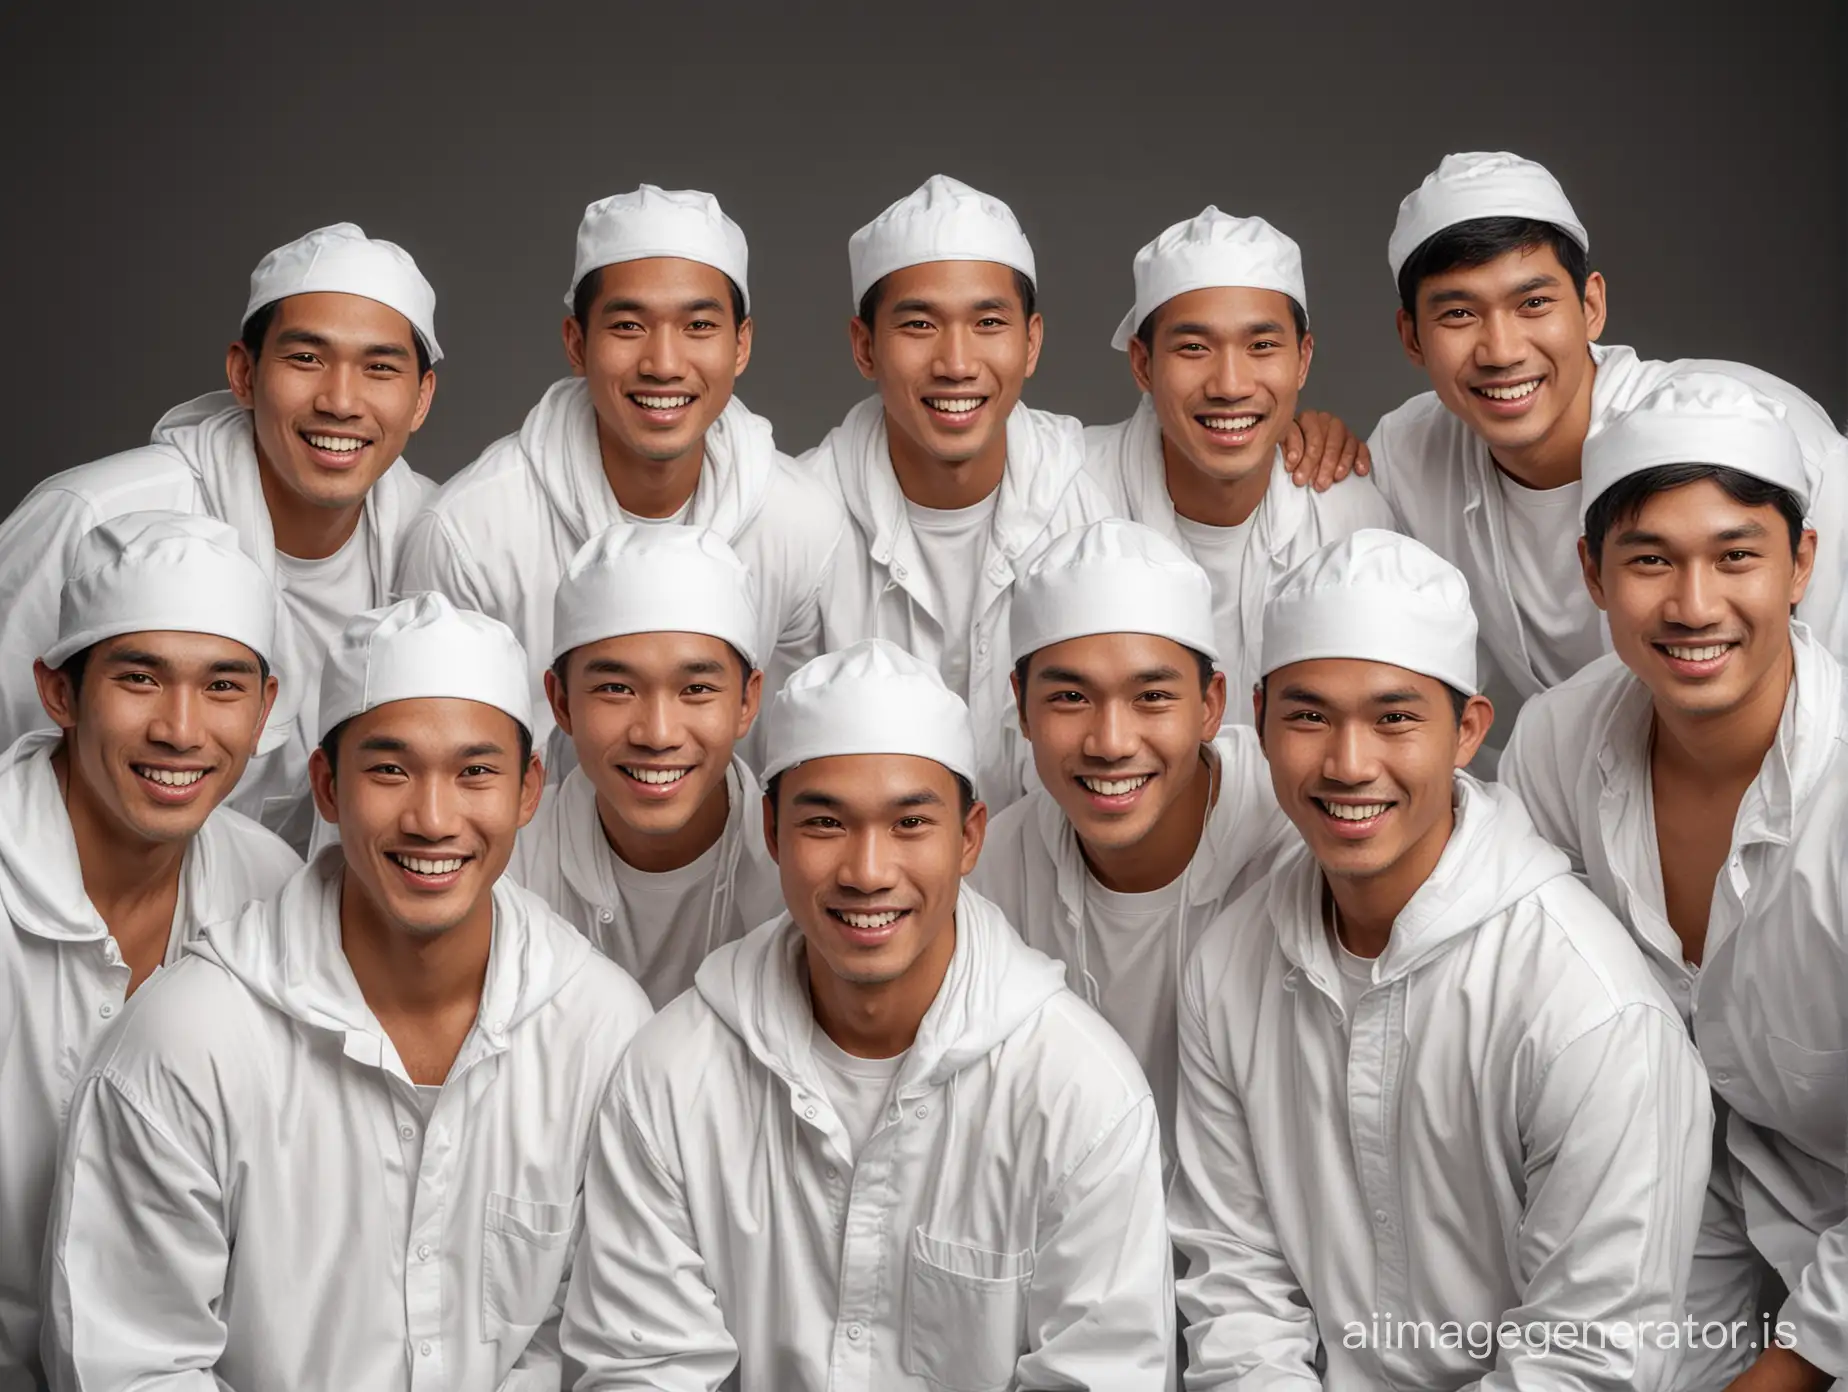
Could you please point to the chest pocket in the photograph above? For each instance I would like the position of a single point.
(524, 1246)
(1815, 1088)
(965, 1315)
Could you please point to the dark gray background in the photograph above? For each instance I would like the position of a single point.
(156, 154)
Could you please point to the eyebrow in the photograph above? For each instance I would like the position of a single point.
(1065, 676)
(814, 797)
(383, 744)
(917, 306)
(236, 666)
(308, 338)
(1539, 282)
(624, 305)
(136, 657)
(1745, 531)
(486, 750)
(1405, 696)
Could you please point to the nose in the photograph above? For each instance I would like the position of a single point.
(1109, 739)
(1349, 758)
(1231, 379)
(654, 726)
(338, 397)
(1500, 343)
(431, 811)
(865, 868)
(1695, 601)
(665, 358)
(954, 361)
(177, 724)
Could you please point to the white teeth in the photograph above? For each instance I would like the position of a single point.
(171, 778)
(1511, 393)
(1355, 812)
(1115, 787)
(661, 403)
(1701, 654)
(336, 444)
(419, 866)
(861, 920)
(656, 776)
(953, 405)
(1229, 422)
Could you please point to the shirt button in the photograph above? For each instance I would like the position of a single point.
(923, 1112)
(892, 1114)
(1722, 1076)
(982, 647)
(107, 1010)
(899, 571)
(605, 916)
(833, 1176)
(1379, 1216)
(423, 1252)
(405, 1132)
(809, 1112)
(854, 1332)
(426, 1348)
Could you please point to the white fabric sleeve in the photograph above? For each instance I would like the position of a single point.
(1818, 1308)
(1385, 477)
(36, 546)
(1100, 1304)
(639, 1312)
(1249, 1323)
(137, 1255)
(1540, 772)
(429, 558)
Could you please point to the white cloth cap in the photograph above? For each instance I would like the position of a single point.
(1696, 418)
(344, 260)
(944, 220)
(1211, 250)
(1480, 185)
(1379, 597)
(423, 647)
(147, 572)
(660, 222)
(1113, 576)
(870, 698)
(641, 579)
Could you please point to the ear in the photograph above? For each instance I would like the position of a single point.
(1302, 373)
(861, 339)
(56, 694)
(1594, 580)
(1257, 711)
(241, 374)
(532, 788)
(1020, 705)
(1473, 728)
(974, 832)
(559, 700)
(426, 393)
(321, 783)
(1036, 334)
(270, 688)
(753, 702)
(1806, 567)
(1408, 338)
(573, 333)
(1140, 361)
(1594, 306)
(745, 333)
(1213, 712)
(770, 828)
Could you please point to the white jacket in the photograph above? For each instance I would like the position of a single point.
(62, 984)
(1441, 483)
(1769, 1004)
(1033, 868)
(1292, 523)
(882, 589)
(202, 459)
(500, 533)
(251, 1197)
(1002, 1229)
(564, 857)
(1513, 1126)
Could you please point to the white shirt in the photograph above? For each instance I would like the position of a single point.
(62, 987)
(1512, 1125)
(251, 1195)
(1545, 578)
(324, 595)
(1001, 1227)
(1222, 552)
(950, 550)
(1129, 945)
(1769, 1005)
(676, 518)
(1354, 974)
(858, 1088)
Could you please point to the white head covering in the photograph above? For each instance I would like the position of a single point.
(944, 220)
(641, 579)
(870, 698)
(1211, 250)
(1696, 418)
(1113, 576)
(1379, 597)
(423, 647)
(146, 572)
(660, 222)
(1480, 185)
(345, 260)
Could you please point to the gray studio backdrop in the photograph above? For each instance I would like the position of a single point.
(155, 153)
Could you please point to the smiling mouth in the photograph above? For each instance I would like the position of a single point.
(1705, 652)
(1516, 391)
(955, 405)
(427, 867)
(334, 444)
(1229, 425)
(1354, 811)
(655, 777)
(661, 401)
(169, 778)
(1114, 787)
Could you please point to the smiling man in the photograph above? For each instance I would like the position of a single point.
(651, 845)
(117, 848)
(342, 1143)
(1427, 1082)
(646, 429)
(1145, 826)
(329, 376)
(1698, 778)
(879, 1144)
(1219, 344)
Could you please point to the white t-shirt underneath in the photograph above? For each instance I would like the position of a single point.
(1130, 952)
(1220, 552)
(950, 547)
(324, 594)
(1545, 580)
(1353, 976)
(667, 932)
(857, 1087)
(676, 518)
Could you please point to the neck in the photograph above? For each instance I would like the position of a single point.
(1368, 905)
(1216, 502)
(879, 1019)
(121, 871)
(1159, 858)
(1553, 461)
(406, 975)
(647, 487)
(304, 530)
(945, 485)
(656, 855)
(1725, 747)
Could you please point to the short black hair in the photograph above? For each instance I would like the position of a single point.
(583, 298)
(330, 745)
(257, 326)
(1201, 660)
(1145, 331)
(965, 793)
(1023, 287)
(1459, 700)
(73, 668)
(1478, 241)
(561, 665)
(1623, 500)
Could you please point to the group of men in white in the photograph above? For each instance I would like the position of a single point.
(986, 904)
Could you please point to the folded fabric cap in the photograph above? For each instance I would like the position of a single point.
(642, 579)
(1696, 418)
(870, 698)
(1379, 597)
(344, 260)
(660, 222)
(423, 647)
(148, 572)
(1213, 249)
(1482, 184)
(1113, 576)
(944, 220)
